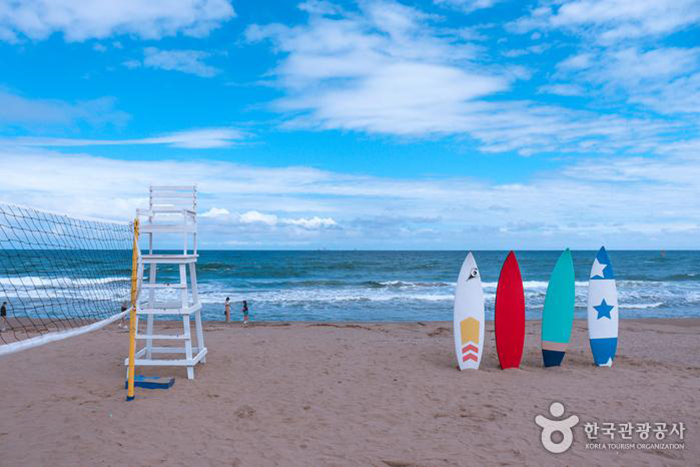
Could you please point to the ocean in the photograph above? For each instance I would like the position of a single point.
(419, 285)
(367, 285)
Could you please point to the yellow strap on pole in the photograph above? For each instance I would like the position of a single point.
(132, 313)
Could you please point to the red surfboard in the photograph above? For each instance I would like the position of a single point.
(510, 314)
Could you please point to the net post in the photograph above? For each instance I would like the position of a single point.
(132, 312)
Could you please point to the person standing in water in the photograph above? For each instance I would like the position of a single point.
(245, 311)
(3, 317)
(125, 306)
(227, 309)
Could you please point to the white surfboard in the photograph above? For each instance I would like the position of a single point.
(469, 316)
(603, 316)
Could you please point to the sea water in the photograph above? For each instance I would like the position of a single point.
(371, 285)
(419, 285)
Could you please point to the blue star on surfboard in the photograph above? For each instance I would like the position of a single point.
(604, 310)
(602, 269)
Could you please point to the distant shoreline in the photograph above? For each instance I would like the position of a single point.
(694, 321)
(333, 250)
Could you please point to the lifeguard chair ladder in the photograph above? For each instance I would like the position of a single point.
(172, 211)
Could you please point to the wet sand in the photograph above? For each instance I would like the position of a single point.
(344, 394)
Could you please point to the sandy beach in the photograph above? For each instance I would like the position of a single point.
(344, 394)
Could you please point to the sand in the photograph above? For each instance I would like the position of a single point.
(344, 394)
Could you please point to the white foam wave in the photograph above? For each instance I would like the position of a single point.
(324, 296)
(632, 294)
(640, 306)
(409, 284)
(64, 288)
(58, 282)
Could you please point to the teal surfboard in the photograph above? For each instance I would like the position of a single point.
(558, 315)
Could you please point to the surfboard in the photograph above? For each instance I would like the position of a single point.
(558, 314)
(602, 310)
(510, 314)
(469, 316)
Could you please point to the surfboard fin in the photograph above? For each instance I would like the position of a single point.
(552, 357)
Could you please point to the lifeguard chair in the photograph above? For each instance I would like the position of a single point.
(172, 213)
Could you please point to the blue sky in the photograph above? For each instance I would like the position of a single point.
(445, 124)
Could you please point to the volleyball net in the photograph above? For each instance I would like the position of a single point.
(60, 276)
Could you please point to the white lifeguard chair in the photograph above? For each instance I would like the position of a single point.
(172, 212)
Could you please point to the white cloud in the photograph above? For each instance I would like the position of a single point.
(132, 63)
(216, 212)
(610, 21)
(312, 222)
(82, 19)
(577, 62)
(252, 217)
(271, 220)
(16, 110)
(198, 139)
(467, 6)
(629, 202)
(533, 49)
(185, 61)
(380, 70)
(471, 33)
(562, 89)
(619, 57)
(665, 79)
(321, 7)
(385, 69)
(205, 138)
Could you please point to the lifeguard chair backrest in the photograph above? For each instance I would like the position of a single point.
(170, 198)
(172, 210)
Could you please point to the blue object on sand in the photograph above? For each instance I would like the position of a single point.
(151, 382)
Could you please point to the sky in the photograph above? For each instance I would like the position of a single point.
(378, 124)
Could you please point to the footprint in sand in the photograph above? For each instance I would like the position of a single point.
(245, 411)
